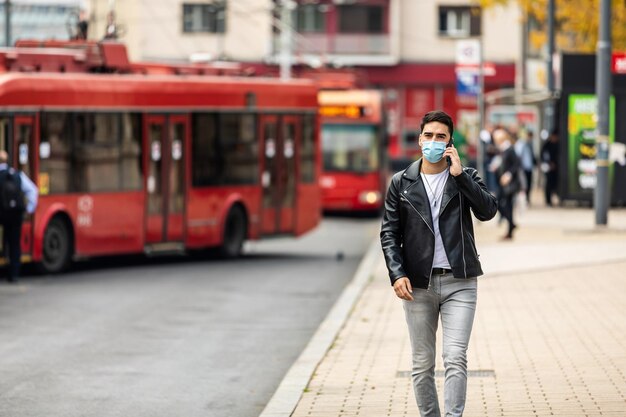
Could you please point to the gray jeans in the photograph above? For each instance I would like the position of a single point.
(455, 300)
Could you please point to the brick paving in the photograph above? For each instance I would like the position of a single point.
(549, 335)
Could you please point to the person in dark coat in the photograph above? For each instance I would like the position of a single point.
(506, 167)
(11, 221)
(550, 166)
(427, 237)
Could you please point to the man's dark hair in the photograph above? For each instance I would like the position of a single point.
(437, 116)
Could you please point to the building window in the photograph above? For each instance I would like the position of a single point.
(459, 21)
(361, 19)
(310, 18)
(205, 18)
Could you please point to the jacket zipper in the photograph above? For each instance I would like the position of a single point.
(419, 214)
(430, 275)
(462, 238)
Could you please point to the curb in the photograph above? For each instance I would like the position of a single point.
(287, 395)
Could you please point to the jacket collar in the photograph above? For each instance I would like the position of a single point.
(413, 174)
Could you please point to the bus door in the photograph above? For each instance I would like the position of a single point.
(21, 156)
(279, 173)
(166, 143)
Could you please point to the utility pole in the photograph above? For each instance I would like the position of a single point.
(603, 94)
(285, 39)
(480, 97)
(7, 23)
(549, 112)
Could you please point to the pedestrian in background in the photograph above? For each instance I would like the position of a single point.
(524, 151)
(550, 165)
(506, 167)
(428, 241)
(18, 194)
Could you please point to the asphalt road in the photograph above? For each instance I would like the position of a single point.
(178, 336)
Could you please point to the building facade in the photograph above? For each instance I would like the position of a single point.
(406, 48)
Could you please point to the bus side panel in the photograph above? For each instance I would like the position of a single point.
(345, 194)
(309, 209)
(96, 230)
(101, 233)
(207, 209)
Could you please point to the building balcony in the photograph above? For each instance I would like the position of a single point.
(346, 48)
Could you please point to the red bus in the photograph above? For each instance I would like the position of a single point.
(129, 163)
(354, 171)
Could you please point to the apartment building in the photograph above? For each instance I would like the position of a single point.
(405, 47)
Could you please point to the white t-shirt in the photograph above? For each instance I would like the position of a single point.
(435, 185)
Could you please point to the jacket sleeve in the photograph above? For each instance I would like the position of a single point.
(391, 232)
(483, 203)
(30, 190)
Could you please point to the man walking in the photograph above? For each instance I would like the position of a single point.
(14, 186)
(428, 241)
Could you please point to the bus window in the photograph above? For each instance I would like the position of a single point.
(97, 152)
(239, 147)
(131, 172)
(289, 140)
(4, 133)
(54, 151)
(350, 148)
(155, 173)
(24, 140)
(307, 150)
(205, 166)
(176, 174)
(229, 157)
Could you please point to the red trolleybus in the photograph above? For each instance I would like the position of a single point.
(354, 172)
(129, 163)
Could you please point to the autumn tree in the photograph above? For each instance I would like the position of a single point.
(576, 23)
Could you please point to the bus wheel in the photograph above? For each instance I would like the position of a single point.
(235, 232)
(57, 246)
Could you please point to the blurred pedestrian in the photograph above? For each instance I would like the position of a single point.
(490, 151)
(110, 31)
(18, 194)
(427, 238)
(550, 166)
(524, 151)
(506, 167)
(82, 26)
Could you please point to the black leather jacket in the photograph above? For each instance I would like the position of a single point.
(407, 234)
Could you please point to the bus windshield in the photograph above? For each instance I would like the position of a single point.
(350, 148)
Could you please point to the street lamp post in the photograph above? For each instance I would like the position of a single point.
(603, 92)
(285, 39)
(549, 113)
(7, 23)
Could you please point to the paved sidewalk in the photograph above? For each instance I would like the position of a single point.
(549, 336)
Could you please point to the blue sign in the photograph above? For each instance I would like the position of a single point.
(467, 82)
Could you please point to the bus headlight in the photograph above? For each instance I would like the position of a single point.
(369, 197)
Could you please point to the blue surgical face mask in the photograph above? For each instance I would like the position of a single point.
(433, 150)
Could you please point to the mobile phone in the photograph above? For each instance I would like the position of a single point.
(451, 143)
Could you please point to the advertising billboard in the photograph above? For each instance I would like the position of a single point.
(581, 135)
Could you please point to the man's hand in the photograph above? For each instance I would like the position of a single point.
(505, 179)
(456, 168)
(403, 288)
